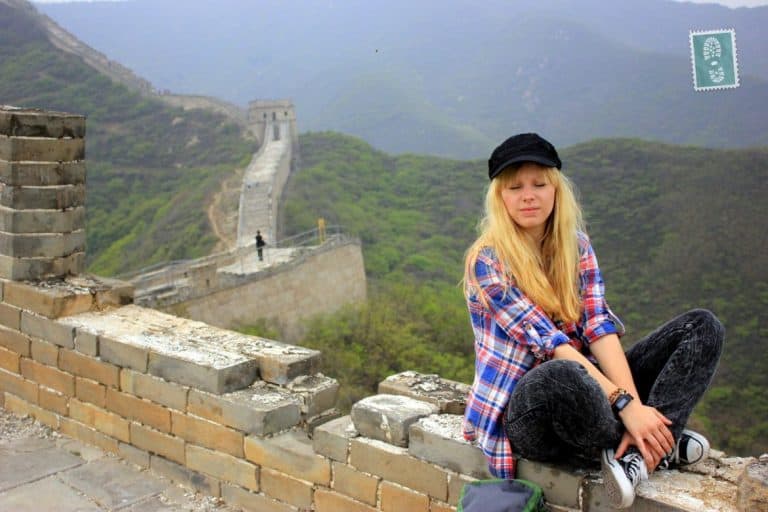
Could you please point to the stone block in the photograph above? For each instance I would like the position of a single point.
(57, 197)
(279, 363)
(185, 477)
(562, 486)
(208, 378)
(86, 366)
(286, 488)
(256, 410)
(53, 401)
(51, 299)
(438, 439)
(438, 506)
(35, 174)
(331, 439)
(105, 422)
(19, 386)
(456, 483)
(15, 121)
(450, 396)
(290, 453)
(42, 245)
(393, 463)
(133, 455)
(123, 354)
(331, 501)
(48, 330)
(22, 407)
(154, 388)
(247, 500)
(206, 433)
(9, 360)
(318, 393)
(41, 149)
(351, 482)
(138, 409)
(88, 435)
(15, 342)
(44, 352)
(10, 316)
(153, 441)
(388, 417)
(48, 376)
(87, 390)
(395, 498)
(752, 491)
(42, 221)
(33, 269)
(86, 343)
(223, 466)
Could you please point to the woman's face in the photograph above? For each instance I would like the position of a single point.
(529, 198)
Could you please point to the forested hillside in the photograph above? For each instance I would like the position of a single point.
(151, 168)
(674, 228)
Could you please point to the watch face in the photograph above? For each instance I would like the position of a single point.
(622, 402)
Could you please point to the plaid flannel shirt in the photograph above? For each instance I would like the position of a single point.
(514, 335)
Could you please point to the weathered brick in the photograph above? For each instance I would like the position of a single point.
(52, 400)
(456, 483)
(154, 388)
(206, 433)
(106, 422)
(255, 410)
(223, 466)
(17, 385)
(48, 330)
(88, 435)
(22, 407)
(42, 245)
(157, 442)
(10, 316)
(42, 221)
(185, 477)
(450, 396)
(2, 398)
(44, 352)
(41, 149)
(26, 122)
(394, 464)
(34, 174)
(331, 501)
(351, 482)
(561, 486)
(48, 376)
(123, 354)
(439, 506)
(48, 300)
(33, 269)
(133, 455)
(395, 498)
(438, 439)
(290, 453)
(247, 500)
(388, 417)
(318, 393)
(86, 343)
(85, 366)
(208, 378)
(332, 439)
(87, 390)
(15, 341)
(138, 409)
(286, 488)
(56, 198)
(9, 360)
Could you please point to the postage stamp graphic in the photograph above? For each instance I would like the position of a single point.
(713, 57)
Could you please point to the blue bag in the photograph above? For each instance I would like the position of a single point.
(499, 495)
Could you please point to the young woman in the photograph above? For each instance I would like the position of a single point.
(552, 381)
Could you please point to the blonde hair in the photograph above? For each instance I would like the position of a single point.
(546, 271)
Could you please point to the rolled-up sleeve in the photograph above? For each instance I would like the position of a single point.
(515, 313)
(597, 318)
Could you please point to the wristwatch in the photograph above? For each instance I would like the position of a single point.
(621, 402)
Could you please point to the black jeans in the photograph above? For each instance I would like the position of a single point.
(558, 413)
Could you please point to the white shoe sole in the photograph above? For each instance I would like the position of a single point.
(618, 488)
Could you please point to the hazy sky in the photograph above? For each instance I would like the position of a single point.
(729, 3)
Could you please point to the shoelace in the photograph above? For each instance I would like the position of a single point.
(634, 467)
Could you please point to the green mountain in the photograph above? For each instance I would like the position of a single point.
(151, 168)
(674, 227)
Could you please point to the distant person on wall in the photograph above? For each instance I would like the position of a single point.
(552, 382)
(260, 243)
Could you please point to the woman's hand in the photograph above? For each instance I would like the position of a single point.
(647, 429)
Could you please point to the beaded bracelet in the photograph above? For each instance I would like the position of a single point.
(616, 394)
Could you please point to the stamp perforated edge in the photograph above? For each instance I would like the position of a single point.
(732, 31)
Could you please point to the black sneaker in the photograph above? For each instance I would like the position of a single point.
(691, 448)
(622, 476)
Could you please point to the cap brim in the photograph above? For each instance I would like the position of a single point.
(524, 158)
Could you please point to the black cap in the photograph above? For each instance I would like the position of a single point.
(523, 147)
